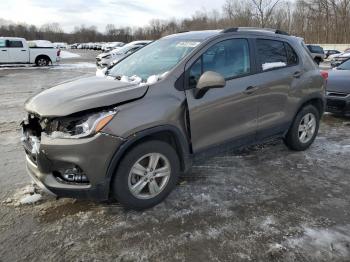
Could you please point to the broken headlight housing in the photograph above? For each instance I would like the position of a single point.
(79, 126)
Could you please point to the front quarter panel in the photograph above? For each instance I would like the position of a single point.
(162, 105)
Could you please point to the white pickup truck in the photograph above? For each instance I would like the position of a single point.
(15, 50)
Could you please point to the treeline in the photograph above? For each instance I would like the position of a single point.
(317, 21)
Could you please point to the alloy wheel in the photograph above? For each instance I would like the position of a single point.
(149, 176)
(307, 128)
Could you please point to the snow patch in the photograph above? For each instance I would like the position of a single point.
(52, 67)
(73, 66)
(27, 195)
(132, 79)
(31, 199)
(67, 54)
(267, 223)
(101, 72)
(40, 43)
(276, 250)
(323, 241)
(268, 66)
(138, 80)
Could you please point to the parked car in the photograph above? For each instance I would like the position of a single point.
(60, 45)
(15, 50)
(340, 58)
(329, 52)
(338, 89)
(345, 65)
(106, 59)
(110, 46)
(317, 53)
(128, 136)
(74, 46)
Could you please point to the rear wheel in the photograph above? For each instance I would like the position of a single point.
(42, 61)
(304, 129)
(146, 175)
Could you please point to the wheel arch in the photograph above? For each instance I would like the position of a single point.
(42, 56)
(166, 133)
(318, 101)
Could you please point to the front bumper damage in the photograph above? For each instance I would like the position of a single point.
(48, 159)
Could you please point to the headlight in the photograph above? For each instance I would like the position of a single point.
(79, 127)
(107, 57)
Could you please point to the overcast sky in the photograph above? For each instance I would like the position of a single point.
(70, 13)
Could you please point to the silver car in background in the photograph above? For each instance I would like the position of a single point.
(112, 57)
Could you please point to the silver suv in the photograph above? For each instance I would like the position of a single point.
(129, 135)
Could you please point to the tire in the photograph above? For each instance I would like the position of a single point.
(318, 60)
(42, 61)
(125, 179)
(294, 138)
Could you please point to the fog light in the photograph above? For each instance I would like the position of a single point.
(75, 175)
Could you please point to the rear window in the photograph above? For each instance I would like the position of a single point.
(273, 54)
(315, 49)
(292, 58)
(14, 43)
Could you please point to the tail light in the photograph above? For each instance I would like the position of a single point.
(58, 52)
(324, 74)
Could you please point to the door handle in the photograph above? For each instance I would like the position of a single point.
(297, 74)
(250, 90)
(23, 50)
(4, 50)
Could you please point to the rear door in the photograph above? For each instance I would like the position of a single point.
(4, 53)
(227, 113)
(17, 52)
(279, 72)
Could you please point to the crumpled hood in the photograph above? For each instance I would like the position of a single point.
(338, 81)
(82, 94)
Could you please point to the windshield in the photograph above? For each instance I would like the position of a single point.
(345, 65)
(154, 59)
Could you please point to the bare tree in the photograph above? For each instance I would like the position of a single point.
(317, 21)
(264, 10)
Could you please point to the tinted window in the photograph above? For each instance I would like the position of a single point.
(315, 49)
(2, 43)
(15, 43)
(230, 58)
(271, 54)
(292, 58)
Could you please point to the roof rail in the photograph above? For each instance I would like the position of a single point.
(237, 29)
(230, 30)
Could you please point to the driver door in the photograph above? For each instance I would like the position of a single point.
(228, 113)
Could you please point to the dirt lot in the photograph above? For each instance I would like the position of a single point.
(257, 204)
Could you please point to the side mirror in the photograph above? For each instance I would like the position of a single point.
(208, 80)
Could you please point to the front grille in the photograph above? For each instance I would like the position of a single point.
(337, 94)
(336, 104)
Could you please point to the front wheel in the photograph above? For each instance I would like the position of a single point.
(146, 175)
(304, 129)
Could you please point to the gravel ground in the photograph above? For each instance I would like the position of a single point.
(263, 203)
